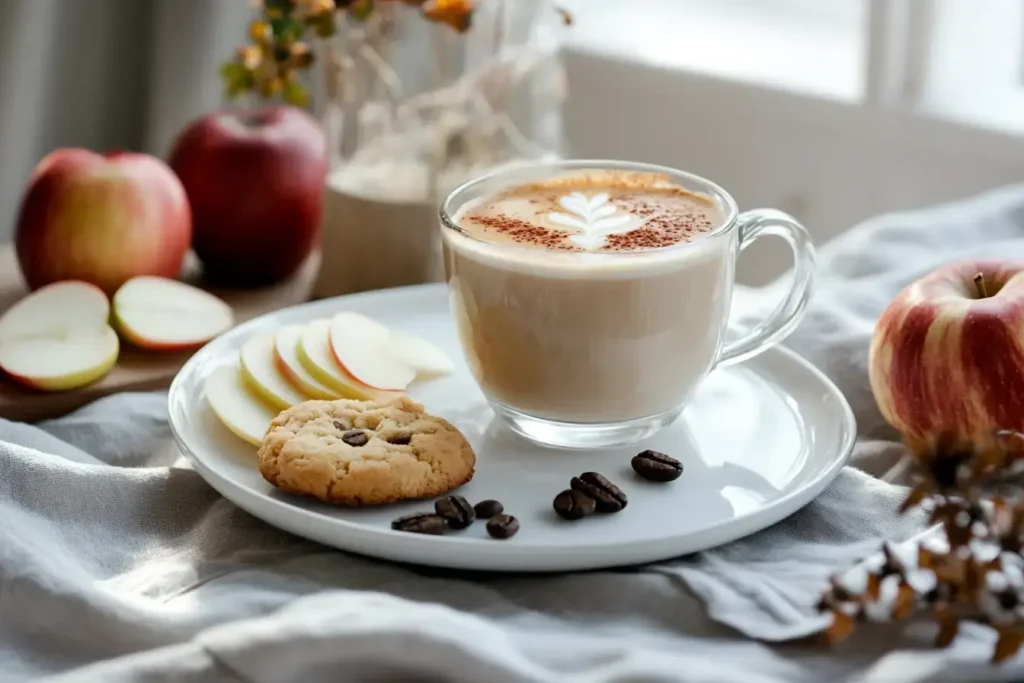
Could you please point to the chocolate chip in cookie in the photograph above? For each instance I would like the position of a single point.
(401, 439)
(355, 437)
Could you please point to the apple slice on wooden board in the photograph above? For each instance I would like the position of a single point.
(426, 359)
(286, 352)
(166, 315)
(363, 348)
(261, 374)
(57, 338)
(245, 415)
(61, 363)
(316, 356)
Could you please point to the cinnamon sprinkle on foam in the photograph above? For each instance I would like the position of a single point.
(664, 214)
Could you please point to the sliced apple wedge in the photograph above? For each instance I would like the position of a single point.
(241, 412)
(362, 346)
(286, 352)
(166, 315)
(259, 370)
(61, 363)
(55, 310)
(426, 359)
(57, 338)
(316, 356)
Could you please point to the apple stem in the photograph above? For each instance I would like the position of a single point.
(979, 282)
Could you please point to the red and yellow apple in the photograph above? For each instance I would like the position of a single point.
(255, 180)
(947, 356)
(102, 219)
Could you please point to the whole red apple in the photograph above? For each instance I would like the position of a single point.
(947, 356)
(255, 180)
(101, 218)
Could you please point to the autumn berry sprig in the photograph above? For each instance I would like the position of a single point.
(278, 51)
(975, 573)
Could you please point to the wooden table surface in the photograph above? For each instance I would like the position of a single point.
(136, 369)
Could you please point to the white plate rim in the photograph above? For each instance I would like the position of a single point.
(430, 550)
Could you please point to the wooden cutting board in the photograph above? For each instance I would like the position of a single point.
(136, 369)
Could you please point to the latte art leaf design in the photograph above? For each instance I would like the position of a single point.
(595, 217)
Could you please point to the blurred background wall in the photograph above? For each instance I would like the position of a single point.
(835, 111)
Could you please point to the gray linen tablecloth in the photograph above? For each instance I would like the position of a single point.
(118, 563)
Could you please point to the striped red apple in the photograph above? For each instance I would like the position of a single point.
(947, 356)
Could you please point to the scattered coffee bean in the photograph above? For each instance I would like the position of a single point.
(656, 466)
(355, 437)
(502, 526)
(341, 426)
(401, 439)
(421, 523)
(486, 509)
(456, 510)
(608, 496)
(572, 504)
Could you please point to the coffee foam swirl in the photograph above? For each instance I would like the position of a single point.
(592, 211)
(595, 218)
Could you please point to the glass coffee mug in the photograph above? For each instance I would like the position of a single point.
(584, 349)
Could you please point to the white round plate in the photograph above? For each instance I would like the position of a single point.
(759, 441)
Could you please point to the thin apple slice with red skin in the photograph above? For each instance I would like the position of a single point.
(286, 352)
(315, 353)
(362, 346)
(425, 358)
(261, 374)
(236, 407)
(166, 315)
(57, 338)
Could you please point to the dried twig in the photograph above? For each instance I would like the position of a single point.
(974, 571)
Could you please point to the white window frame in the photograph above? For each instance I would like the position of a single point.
(830, 161)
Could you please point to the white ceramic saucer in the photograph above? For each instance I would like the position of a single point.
(759, 441)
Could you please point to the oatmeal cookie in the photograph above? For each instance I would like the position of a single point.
(364, 453)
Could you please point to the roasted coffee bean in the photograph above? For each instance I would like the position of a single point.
(656, 466)
(401, 439)
(608, 496)
(486, 509)
(421, 523)
(571, 504)
(340, 426)
(503, 526)
(456, 510)
(355, 437)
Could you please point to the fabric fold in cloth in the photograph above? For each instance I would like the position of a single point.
(118, 563)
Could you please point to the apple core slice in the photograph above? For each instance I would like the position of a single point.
(363, 348)
(419, 354)
(286, 352)
(241, 412)
(315, 354)
(60, 363)
(259, 370)
(163, 314)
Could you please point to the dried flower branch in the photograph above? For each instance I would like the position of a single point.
(975, 573)
(278, 52)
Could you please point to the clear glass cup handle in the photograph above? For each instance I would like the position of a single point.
(787, 315)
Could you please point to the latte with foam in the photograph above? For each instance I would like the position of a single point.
(613, 211)
(577, 301)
